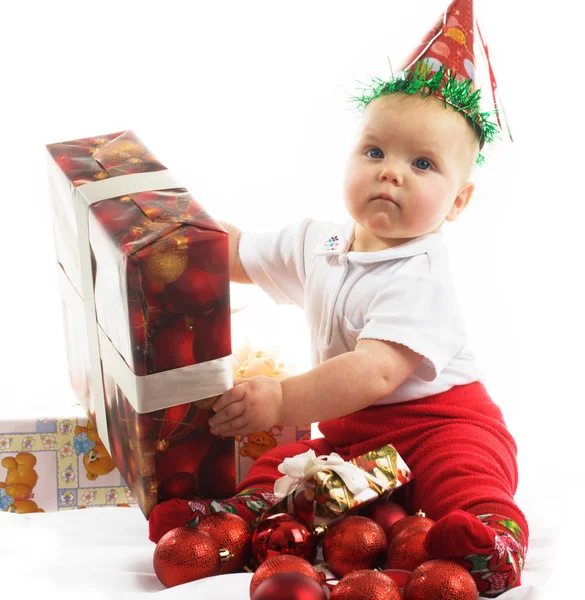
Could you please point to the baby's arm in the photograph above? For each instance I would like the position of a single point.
(237, 272)
(348, 382)
(339, 386)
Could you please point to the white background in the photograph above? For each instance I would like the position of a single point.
(247, 103)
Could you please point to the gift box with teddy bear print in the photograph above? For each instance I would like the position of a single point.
(52, 464)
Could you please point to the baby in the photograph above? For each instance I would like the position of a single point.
(391, 364)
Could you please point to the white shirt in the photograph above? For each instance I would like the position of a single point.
(403, 294)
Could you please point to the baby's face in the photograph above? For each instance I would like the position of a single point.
(408, 170)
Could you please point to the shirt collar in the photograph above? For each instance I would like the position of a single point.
(339, 240)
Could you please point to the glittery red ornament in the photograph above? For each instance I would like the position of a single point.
(289, 586)
(354, 543)
(366, 585)
(440, 580)
(407, 551)
(283, 563)
(283, 534)
(185, 554)
(384, 513)
(418, 520)
(231, 532)
(399, 576)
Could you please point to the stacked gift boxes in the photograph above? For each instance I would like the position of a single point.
(145, 287)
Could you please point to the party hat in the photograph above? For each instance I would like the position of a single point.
(444, 65)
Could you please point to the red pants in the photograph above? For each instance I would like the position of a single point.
(456, 444)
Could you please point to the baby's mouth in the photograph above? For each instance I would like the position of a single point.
(386, 198)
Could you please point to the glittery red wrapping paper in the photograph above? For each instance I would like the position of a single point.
(160, 268)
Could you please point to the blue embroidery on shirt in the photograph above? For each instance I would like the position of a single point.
(331, 244)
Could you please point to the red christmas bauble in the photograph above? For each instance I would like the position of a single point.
(440, 580)
(289, 586)
(366, 585)
(399, 576)
(185, 554)
(231, 532)
(354, 543)
(283, 563)
(283, 534)
(418, 520)
(407, 551)
(304, 506)
(384, 513)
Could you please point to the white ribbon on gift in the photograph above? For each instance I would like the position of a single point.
(149, 392)
(302, 467)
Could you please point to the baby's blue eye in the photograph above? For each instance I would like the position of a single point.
(422, 163)
(377, 151)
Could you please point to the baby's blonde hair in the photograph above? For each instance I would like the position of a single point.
(472, 132)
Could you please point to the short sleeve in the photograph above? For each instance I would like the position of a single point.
(422, 313)
(277, 262)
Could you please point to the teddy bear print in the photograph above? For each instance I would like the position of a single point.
(96, 459)
(16, 492)
(259, 443)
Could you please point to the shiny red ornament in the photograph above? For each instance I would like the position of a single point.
(440, 580)
(407, 550)
(284, 563)
(366, 585)
(283, 534)
(289, 586)
(384, 513)
(418, 520)
(354, 543)
(399, 576)
(231, 532)
(185, 554)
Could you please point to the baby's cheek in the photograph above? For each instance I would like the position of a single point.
(425, 215)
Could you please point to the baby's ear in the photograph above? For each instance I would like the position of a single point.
(461, 201)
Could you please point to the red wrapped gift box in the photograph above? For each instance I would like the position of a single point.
(145, 286)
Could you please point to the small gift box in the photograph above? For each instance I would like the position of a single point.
(144, 274)
(323, 489)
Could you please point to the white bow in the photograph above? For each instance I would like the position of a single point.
(302, 467)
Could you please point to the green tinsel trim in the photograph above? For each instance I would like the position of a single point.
(458, 94)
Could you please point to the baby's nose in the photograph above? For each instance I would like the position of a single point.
(391, 172)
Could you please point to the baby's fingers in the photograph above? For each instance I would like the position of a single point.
(236, 394)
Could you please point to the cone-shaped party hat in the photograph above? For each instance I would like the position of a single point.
(444, 65)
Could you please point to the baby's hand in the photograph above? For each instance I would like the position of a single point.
(252, 405)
